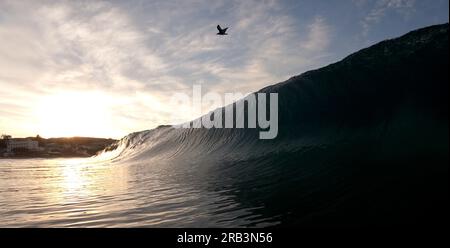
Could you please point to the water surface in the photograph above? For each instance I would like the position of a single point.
(88, 193)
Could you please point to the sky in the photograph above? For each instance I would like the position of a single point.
(108, 68)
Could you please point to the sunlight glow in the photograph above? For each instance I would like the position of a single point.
(67, 114)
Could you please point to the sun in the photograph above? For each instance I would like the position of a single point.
(68, 114)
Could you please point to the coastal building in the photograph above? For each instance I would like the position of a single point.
(30, 145)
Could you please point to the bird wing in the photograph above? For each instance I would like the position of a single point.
(219, 28)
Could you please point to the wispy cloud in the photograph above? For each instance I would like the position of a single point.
(138, 53)
(379, 9)
(318, 36)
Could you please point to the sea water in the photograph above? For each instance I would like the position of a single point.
(89, 193)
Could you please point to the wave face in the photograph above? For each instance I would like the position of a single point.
(361, 142)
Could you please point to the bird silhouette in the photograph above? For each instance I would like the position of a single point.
(221, 31)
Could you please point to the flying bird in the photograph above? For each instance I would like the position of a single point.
(221, 31)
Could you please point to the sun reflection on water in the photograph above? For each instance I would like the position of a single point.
(84, 178)
(74, 178)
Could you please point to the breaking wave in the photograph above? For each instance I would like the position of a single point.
(362, 141)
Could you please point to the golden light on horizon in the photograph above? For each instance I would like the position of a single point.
(67, 114)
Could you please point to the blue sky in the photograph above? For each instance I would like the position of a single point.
(107, 68)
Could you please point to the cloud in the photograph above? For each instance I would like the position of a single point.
(141, 52)
(403, 7)
(318, 36)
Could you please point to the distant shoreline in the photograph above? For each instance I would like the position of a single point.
(74, 147)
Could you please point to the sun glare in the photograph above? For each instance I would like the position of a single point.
(74, 114)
